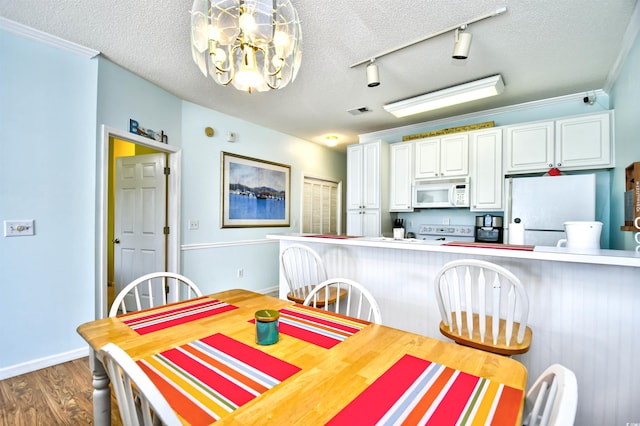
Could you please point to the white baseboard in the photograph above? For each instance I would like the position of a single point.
(37, 364)
(270, 291)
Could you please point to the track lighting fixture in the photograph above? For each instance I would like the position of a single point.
(460, 51)
(373, 78)
(462, 43)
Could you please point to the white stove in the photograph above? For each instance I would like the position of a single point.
(464, 233)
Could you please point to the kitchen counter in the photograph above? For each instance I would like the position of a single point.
(554, 254)
(583, 307)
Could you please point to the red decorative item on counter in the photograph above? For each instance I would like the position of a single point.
(554, 172)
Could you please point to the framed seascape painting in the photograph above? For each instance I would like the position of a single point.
(255, 193)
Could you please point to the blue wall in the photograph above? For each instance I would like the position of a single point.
(47, 173)
(212, 255)
(52, 106)
(625, 98)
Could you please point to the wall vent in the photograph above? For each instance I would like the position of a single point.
(358, 111)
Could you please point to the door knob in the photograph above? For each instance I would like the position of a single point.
(116, 241)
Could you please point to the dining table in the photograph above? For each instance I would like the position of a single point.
(325, 368)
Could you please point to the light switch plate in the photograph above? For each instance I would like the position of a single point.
(18, 228)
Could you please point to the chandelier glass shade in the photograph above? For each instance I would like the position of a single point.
(251, 44)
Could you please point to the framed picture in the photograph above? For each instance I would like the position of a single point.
(255, 193)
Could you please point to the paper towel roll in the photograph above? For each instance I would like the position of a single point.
(516, 233)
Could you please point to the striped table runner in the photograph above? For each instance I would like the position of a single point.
(165, 316)
(419, 392)
(322, 328)
(209, 378)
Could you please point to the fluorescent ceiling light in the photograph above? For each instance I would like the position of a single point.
(462, 93)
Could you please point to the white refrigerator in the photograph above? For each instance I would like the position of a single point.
(544, 203)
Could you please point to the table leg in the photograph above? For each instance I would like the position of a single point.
(101, 392)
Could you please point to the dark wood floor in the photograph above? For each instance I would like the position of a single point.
(58, 395)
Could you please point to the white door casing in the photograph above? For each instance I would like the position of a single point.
(140, 218)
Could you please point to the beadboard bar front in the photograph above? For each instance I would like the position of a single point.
(584, 315)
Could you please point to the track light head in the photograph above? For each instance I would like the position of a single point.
(462, 43)
(373, 78)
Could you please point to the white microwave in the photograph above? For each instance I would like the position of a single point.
(441, 193)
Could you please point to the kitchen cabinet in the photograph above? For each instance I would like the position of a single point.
(529, 147)
(572, 143)
(442, 157)
(401, 179)
(368, 189)
(583, 142)
(486, 178)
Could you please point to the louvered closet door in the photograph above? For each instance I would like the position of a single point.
(320, 206)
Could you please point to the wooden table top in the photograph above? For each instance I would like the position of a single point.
(329, 378)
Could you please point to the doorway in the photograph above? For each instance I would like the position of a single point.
(137, 214)
(111, 139)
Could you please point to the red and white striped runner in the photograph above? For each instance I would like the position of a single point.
(211, 377)
(165, 316)
(415, 391)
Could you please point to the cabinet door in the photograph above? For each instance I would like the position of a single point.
(371, 175)
(530, 147)
(371, 223)
(354, 222)
(354, 177)
(401, 177)
(427, 163)
(454, 155)
(583, 142)
(486, 170)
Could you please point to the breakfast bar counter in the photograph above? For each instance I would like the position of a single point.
(583, 306)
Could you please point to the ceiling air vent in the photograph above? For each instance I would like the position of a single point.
(358, 111)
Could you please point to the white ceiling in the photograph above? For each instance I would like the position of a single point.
(542, 48)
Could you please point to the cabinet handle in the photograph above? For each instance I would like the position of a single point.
(550, 164)
(559, 164)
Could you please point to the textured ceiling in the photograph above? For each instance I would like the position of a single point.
(542, 48)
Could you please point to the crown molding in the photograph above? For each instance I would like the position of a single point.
(42, 37)
(365, 137)
(627, 43)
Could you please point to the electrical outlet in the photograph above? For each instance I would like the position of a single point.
(445, 221)
(240, 273)
(410, 224)
(194, 224)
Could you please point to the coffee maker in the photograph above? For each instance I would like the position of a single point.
(489, 229)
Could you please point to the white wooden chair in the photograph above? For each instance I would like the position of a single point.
(303, 269)
(357, 301)
(553, 398)
(139, 400)
(483, 305)
(146, 291)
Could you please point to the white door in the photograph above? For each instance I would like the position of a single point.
(140, 217)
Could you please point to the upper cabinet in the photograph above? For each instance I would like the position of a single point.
(486, 178)
(584, 142)
(574, 143)
(442, 157)
(401, 177)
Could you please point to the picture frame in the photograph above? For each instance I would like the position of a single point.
(254, 193)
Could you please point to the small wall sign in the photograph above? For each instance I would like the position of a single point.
(134, 127)
(467, 128)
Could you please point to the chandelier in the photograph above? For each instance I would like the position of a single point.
(252, 44)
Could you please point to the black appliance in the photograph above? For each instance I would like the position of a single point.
(489, 229)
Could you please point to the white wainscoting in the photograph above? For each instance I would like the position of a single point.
(584, 316)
